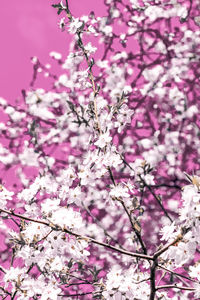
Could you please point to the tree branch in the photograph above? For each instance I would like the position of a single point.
(87, 238)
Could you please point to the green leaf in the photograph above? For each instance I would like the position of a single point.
(70, 263)
(58, 7)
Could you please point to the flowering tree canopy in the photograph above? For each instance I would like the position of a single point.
(104, 194)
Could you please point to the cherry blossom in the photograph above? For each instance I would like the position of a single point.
(98, 204)
(103, 140)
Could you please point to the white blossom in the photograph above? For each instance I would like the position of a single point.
(74, 25)
(55, 55)
(103, 140)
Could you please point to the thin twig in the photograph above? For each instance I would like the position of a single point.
(177, 274)
(91, 76)
(156, 197)
(166, 247)
(101, 226)
(129, 216)
(76, 295)
(174, 286)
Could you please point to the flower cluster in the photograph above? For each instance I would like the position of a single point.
(97, 204)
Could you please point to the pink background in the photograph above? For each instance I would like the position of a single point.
(29, 28)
